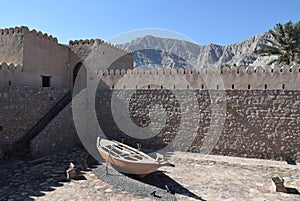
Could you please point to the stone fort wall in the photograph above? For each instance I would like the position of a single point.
(262, 109)
(44, 56)
(26, 56)
(21, 108)
(262, 104)
(104, 55)
(60, 134)
(11, 41)
(36, 54)
(206, 78)
(258, 123)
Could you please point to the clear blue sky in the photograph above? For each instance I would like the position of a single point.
(221, 22)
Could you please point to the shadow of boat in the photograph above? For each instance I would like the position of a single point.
(155, 185)
(292, 190)
(160, 180)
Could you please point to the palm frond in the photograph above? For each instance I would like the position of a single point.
(284, 42)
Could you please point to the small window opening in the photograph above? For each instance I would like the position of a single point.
(148, 86)
(283, 86)
(174, 86)
(161, 86)
(46, 81)
(143, 122)
(217, 86)
(202, 86)
(249, 86)
(9, 83)
(232, 86)
(266, 86)
(187, 86)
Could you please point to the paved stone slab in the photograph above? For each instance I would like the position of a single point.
(195, 177)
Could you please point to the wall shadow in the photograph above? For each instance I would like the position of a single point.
(21, 179)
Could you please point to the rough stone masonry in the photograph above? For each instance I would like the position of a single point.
(258, 123)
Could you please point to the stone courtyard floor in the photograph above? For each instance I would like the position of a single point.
(195, 177)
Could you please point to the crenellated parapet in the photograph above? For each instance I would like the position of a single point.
(117, 47)
(5, 67)
(260, 69)
(76, 43)
(24, 29)
(259, 77)
(85, 42)
(42, 35)
(14, 30)
(155, 71)
(225, 71)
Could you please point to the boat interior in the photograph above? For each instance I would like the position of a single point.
(120, 151)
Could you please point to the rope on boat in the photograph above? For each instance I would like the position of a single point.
(106, 168)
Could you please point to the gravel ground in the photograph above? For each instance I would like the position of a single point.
(156, 185)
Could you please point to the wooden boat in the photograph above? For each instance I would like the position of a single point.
(129, 160)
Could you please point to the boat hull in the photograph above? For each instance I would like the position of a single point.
(128, 167)
(139, 167)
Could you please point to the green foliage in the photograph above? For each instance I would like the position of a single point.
(285, 43)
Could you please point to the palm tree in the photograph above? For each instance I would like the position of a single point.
(284, 43)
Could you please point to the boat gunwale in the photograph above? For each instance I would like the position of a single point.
(146, 160)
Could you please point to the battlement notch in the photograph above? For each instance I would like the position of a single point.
(85, 42)
(42, 35)
(13, 30)
(10, 67)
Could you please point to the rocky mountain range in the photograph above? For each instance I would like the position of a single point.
(155, 52)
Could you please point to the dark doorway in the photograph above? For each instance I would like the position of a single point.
(76, 71)
(46, 81)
